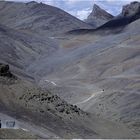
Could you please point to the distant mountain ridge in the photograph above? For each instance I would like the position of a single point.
(38, 18)
(129, 14)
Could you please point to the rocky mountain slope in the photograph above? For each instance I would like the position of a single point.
(77, 85)
(98, 16)
(23, 101)
(118, 22)
(131, 9)
(20, 49)
(38, 18)
(130, 13)
(99, 73)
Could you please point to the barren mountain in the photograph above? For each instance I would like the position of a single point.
(131, 9)
(117, 23)
(99, 73)
(38, 18)
(20, 49)
(47, 115)
(81, 84)
(98, 16)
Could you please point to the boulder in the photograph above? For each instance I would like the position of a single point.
(5, 71)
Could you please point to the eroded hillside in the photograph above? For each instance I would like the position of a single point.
(76, 84)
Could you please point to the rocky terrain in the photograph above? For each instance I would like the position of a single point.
(15, 134)
(23, 101)
(98, 16)
(70, 83)
(131, 9)
(117, 23)
(38, 18)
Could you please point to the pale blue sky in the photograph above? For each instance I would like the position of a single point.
(82, 8)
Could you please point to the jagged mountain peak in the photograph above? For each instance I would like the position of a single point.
(98, 16)
(100, 13)
(96, 7)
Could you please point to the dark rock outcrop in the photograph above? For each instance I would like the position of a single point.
(5, 71)
(98, 16)
(130, 13)
(131, 9)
